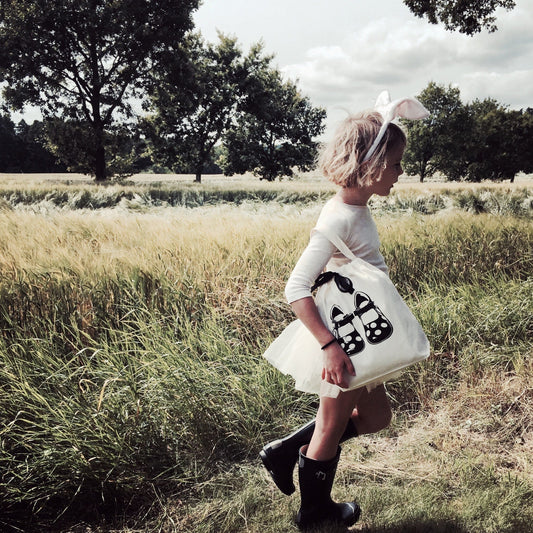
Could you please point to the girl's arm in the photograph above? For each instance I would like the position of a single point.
(336, 363)
(298, 291)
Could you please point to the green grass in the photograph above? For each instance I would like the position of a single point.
(132, 386)
(45, 196)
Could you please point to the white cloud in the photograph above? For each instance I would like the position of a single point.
(405, 56)
(344, 52)
(375, 58)
(509, 88)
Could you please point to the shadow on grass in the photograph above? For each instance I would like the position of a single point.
(427, 526)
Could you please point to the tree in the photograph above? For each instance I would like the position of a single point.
(83, 60)
(36, 155)
(437, 144)
(22, 148)
(186, 126)
(466, 16)
(501, 137)
(73, 142)
(274, 128)
(525, 145)
(10, 146)
(479, 141)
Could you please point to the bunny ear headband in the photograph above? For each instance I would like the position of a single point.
(409, 108)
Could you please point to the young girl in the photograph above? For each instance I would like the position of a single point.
(363, 158)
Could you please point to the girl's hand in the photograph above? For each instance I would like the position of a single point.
(337, 366)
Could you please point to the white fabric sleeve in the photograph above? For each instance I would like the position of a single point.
(311, 263)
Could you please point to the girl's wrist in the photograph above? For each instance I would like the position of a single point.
(329, 343)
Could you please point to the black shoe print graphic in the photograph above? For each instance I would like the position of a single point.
(377, 326)
(344, 330)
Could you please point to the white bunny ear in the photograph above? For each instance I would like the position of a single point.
(383, 100)
(409, 108)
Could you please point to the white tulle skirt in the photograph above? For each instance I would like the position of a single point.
(297, 353)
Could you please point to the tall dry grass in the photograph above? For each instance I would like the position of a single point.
(131, 361)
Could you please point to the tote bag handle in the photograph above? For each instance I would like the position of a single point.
(337, 241)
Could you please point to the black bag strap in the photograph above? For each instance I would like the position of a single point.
(343, 283)
(322, 278)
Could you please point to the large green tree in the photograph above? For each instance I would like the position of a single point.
(501, 142)
(69, 141)
(483, 140)
(83, 60)
(466, 16)
(275, 126)
(193, 97)
(437, 144)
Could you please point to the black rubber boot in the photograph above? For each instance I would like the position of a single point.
(316, 480)
(280, 456)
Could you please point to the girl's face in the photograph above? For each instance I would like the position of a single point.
(392, 171)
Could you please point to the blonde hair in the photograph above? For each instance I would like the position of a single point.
(341, 160)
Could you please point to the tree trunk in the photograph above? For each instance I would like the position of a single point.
(422, 172)
(198, 178)
(100, 171)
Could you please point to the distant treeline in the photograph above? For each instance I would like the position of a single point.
(22, 148)
(84, 64)
(204, 104)
(480, 140)
(476, 141)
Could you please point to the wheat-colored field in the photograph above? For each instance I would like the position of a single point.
(133, 394)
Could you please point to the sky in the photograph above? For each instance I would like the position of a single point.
(343, 53)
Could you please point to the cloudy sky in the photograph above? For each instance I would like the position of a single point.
(344, 52)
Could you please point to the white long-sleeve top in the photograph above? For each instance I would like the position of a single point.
(355, 226)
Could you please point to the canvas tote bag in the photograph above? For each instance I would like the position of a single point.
(374, 326)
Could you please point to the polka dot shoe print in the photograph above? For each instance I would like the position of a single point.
(360, 305)
(377, 326)
(344, 330)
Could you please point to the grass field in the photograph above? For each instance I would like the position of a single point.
(133, 393)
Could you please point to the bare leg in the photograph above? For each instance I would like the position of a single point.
(372, 412)
(331, 419)
(369, 411)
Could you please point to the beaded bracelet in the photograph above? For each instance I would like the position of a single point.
(329, 343)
